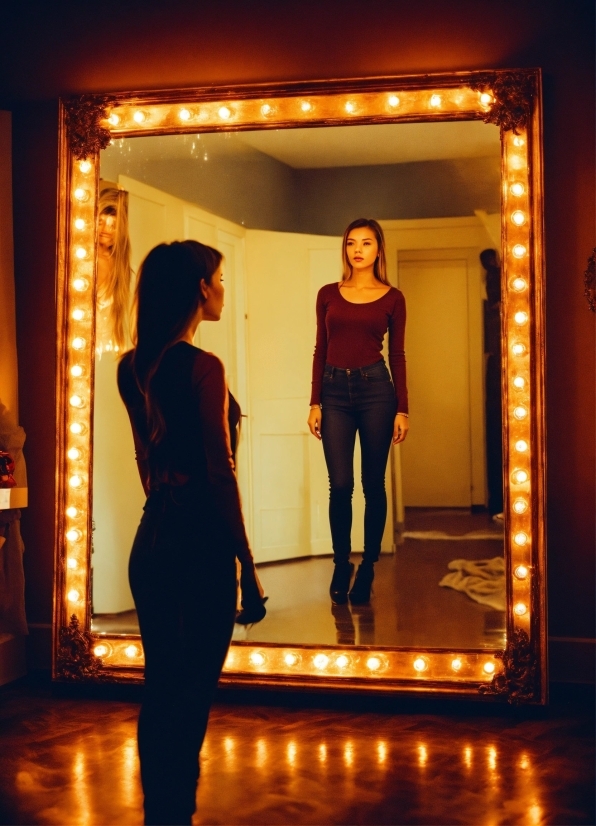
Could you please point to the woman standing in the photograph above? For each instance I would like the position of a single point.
(182, 566)
(352, 391)
(113, 271)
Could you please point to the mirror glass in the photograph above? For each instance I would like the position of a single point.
(276, 203)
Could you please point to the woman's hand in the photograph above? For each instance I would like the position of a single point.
(400, 428)
(314, 421)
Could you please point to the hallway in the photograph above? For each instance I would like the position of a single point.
(68, 760)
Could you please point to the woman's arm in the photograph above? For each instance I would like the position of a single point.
(397, 363)
(318, 367)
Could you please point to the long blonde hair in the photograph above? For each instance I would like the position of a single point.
(115, 202)
(380, 269)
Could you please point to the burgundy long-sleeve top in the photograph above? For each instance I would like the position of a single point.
(351, 335)
(201, 417)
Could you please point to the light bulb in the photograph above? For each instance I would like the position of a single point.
(290, 659)
(373, 663)
(184, 114)
(519, 250)
(520, 476)
(100, 650)
(321, 661)
(518, 141)
(79, 223)
(486, 98)
(520, 412)
(520, 506)
(81, 253)
(76, 370)
(76, 401)
(519, 382)
(519, 284)
(71, 563)
(520, 317)
(521, 572)
(488, 668)
(81, 194)
(420, 664)
(224, 112)
(456, 664)
(71, 511)
(393, 100)
(520, 608)
(73, 596)
(521, 446)
(257, 658)
(76, 428)
(521, 538)
(75, 481)
(518, 218)
(435, 100)
(266, 109)
(131, 651)
(306, 106)
(78, 343)
(139, 116)
(73, 535)
(85, 167)
(350, 107)
(342, 661)
(78, 314)
(74, 453)
(517, 189)
(114, 119)
(80, 284)
(518, 349)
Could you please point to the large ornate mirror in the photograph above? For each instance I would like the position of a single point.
(451, 167)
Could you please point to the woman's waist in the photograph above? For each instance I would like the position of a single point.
(361, 369)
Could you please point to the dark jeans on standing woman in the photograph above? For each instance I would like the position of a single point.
(183, 580)
(360, 399)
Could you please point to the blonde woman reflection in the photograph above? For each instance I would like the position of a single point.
(352, 392)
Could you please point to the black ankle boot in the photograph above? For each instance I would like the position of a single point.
(360, 593)
(340, 582)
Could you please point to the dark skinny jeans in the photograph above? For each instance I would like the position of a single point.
(183, 580)
(363, 400)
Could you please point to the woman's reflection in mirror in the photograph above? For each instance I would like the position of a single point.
(183, 561)
(113, 270)
(352, 392)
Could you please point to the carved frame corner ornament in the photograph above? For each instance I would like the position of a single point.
(519, 679)
(75, 659)
(513, 93)
(590, 282)
(83, 116)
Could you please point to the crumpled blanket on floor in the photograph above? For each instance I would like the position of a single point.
(483, 580)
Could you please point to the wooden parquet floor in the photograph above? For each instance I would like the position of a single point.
(72, 760)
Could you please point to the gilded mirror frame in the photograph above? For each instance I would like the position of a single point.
(511, 99)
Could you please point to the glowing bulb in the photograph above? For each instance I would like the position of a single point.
(114, 119)
(306, 106)
(81, 194)
(72, 512)
(341, 661)
(73, 535)
(224, 112)
(81, 253)
(131, 651)
(74, 453)
(72, 563)
(75, 481)
(76, 401)
(489, 668)
(486, 98)
(85, 166)
(521, 446)
(520, 506)
(518, 141)
(73, 596)
(520, 317)
(518, 349)
(266, 109)
(80, 284)
(393, 100)
(517, 189)
(79, 223)
(350, 107)
(321, 661)
(184, 114)
(76, 370)
(78, 343)
(456, 664)
(519, 250)
(519, 284)
(78, 314)
(373, 663)
(139, 117)
(521, 572)
(290, 659)
(435, 100)
(76, 428)
(519, 382)
(100, 650)
(521, 538)
(229, 659)
(520, 608)
(420, 664)
(518, 218)
(520, 412)
(257, 658)
(520, 476)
